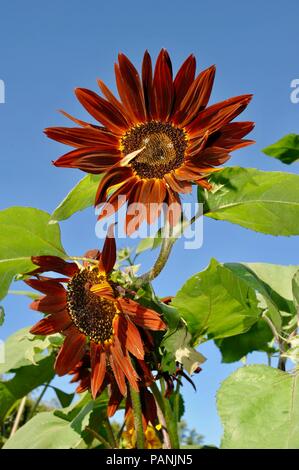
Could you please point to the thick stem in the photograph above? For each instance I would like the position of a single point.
(170, 419)
(137, 411)
(160, 411)
(18, 416)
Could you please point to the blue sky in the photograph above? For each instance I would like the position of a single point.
(49, 48)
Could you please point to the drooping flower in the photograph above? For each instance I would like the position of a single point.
(86, 307)
(157, 139)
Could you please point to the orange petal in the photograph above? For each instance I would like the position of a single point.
(142, 316)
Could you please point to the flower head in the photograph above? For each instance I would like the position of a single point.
(87, 308)
(157, 139)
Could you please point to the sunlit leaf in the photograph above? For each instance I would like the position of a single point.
(286, 149)
(266, 202)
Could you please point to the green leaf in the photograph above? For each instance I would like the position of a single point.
(65, 399)
(295, 289)
(259, 409)
(78, 199)
(25, 232)
(217, 303)
(238, 346)
(286, 149)
(266, 202)
(23, 349)
(2, 315)
(26, 379)
(58, 429)
(149, 243)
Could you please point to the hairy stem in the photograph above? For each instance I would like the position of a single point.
(137, 412)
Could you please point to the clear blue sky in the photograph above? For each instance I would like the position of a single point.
(49, 48)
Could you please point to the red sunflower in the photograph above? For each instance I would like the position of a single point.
(157, 139)
(86, 307)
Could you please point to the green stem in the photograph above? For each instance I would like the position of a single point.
(176, 407)
(99, 438)
(170, 418)
(110, 433)
(39, 399)
(137, 411)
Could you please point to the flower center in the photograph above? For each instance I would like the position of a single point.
(164, 150)
(92, 314)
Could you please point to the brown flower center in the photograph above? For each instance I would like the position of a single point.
(164, 150)
(92, 314)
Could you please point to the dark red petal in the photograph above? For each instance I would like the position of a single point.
(147, 82)
(196, 98)
(114, 400)
(217, 115)
(108, 257)
(163, 86)
(129, 335)
(114, 101)
(50, 303)
(55, 264)
(113, 177)
(102, 110)
(120, 354)
(98, 367)
(130, 89)
(71, 351)
(118, 375)
(230, 136)
(209, 157)
(183, 80)
(90, 159)
(142, 316)
(86, 137)
(46, 286)
(174, 209)
(178, 186)
(79, 122)
(52, 324)
(135, 215)
(117, 199)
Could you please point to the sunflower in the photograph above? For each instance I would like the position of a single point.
(156, 140)
(87, 308)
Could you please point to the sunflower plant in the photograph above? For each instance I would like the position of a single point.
(102, 325)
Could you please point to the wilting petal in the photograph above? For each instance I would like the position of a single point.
(71, 351)
(114, 400)
(98, 367)
(118, 375)
(52, 324)
(123, 361)
(142, 316)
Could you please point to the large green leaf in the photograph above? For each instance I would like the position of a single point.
(78, 199)
(217, 302)
(26, 379)
(15, 350)
(259, 409)
(58, 429)
(25, 232)
(266, 202)
(238, 346)
(286, 149)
